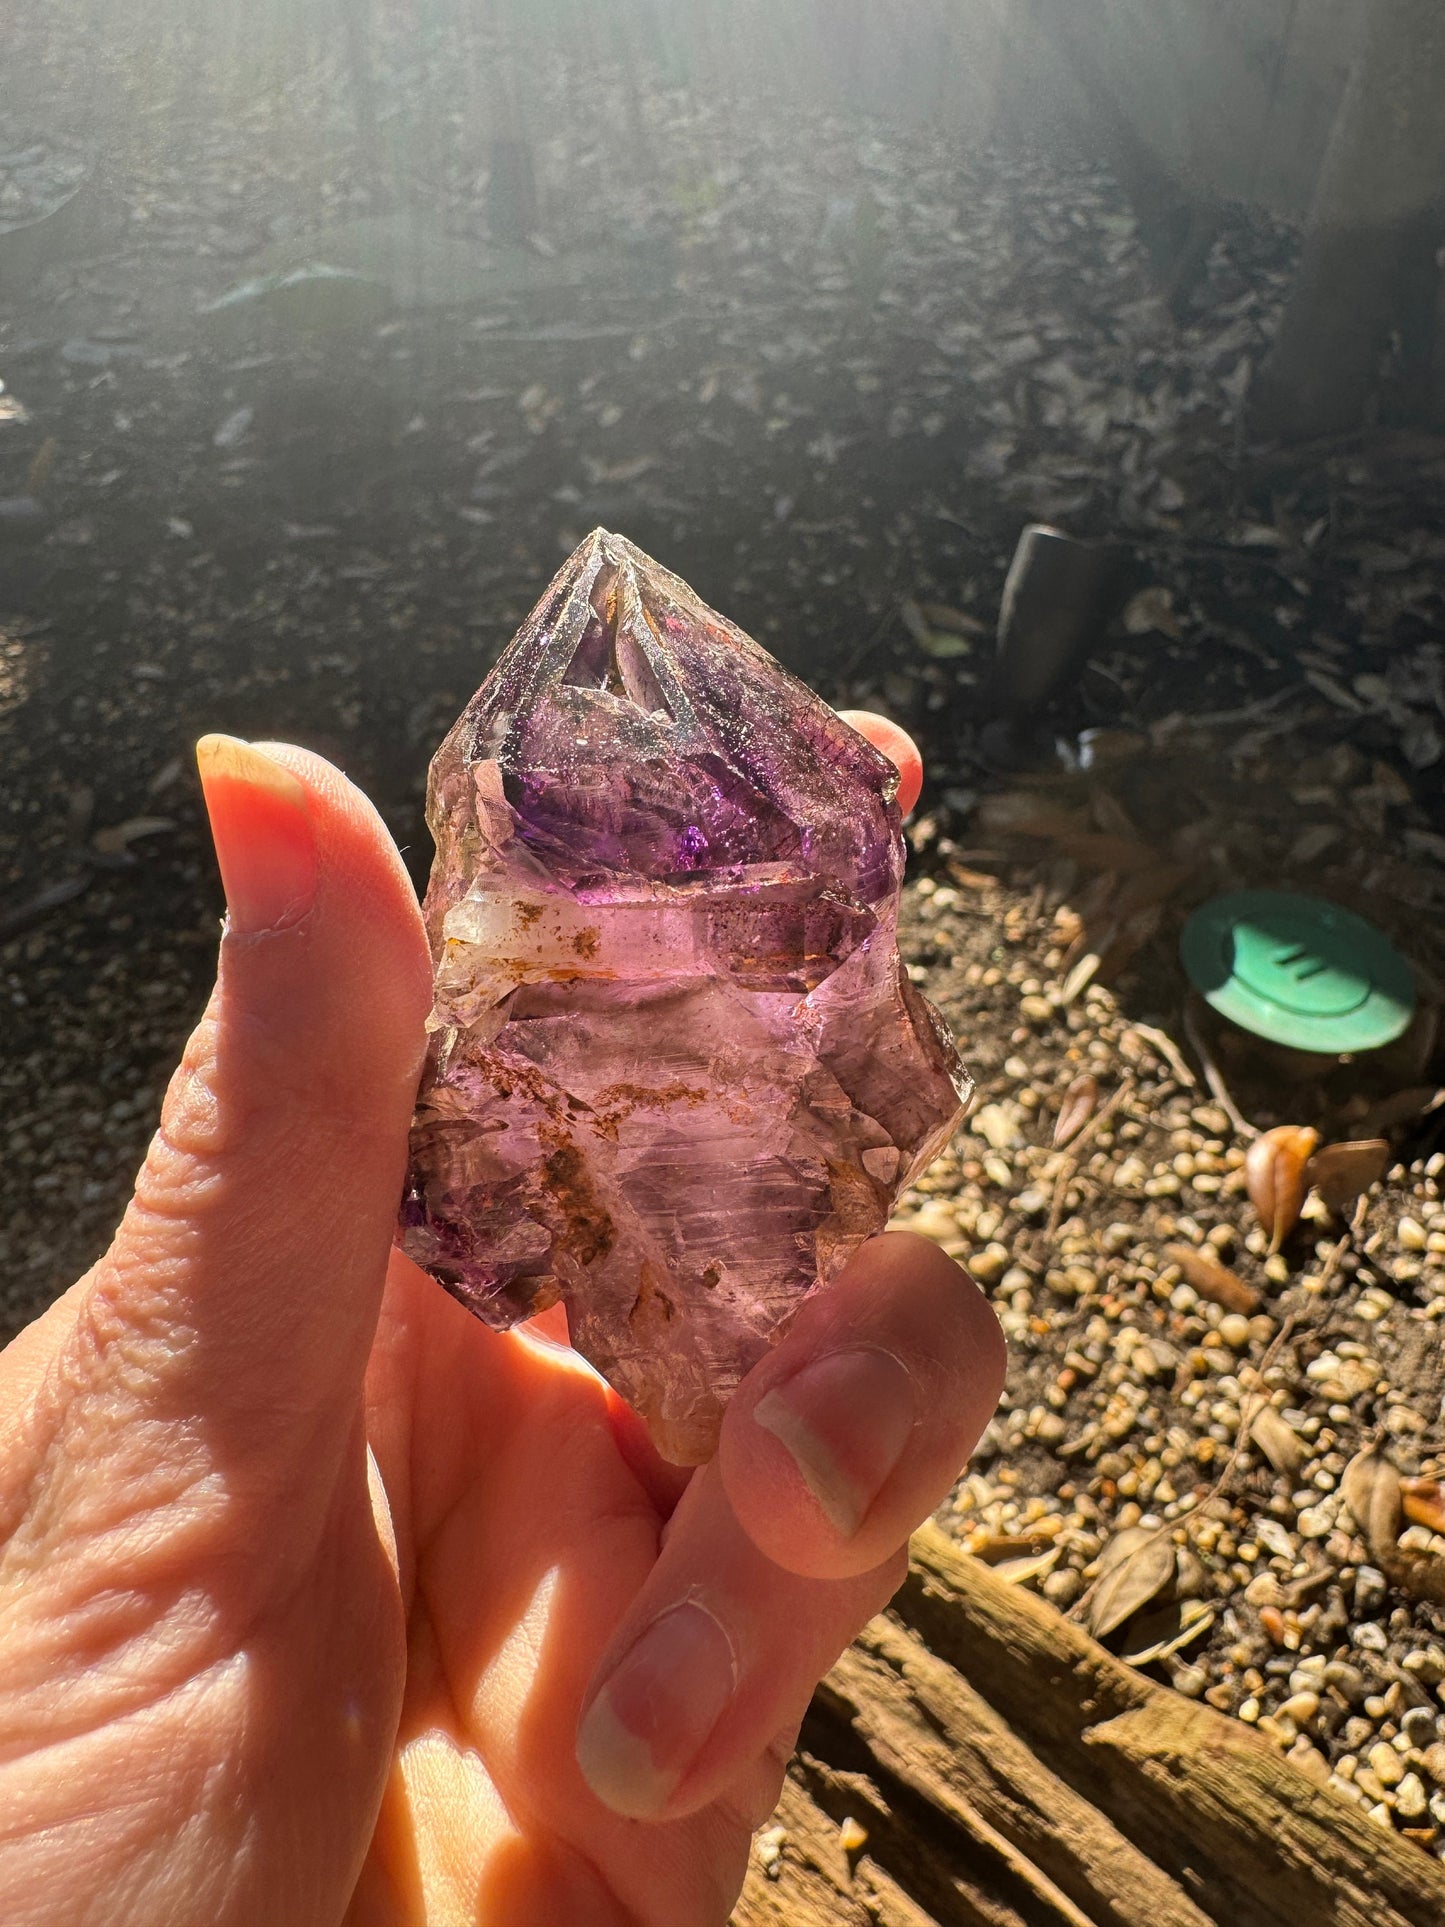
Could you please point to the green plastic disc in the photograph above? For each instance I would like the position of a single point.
(1299, 971)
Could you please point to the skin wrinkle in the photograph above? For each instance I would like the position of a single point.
(250, 1610)
(163, 1650)
(154, 1707)
(163, 1857)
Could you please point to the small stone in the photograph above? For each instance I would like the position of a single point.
(990, 1264)
(1370, 1590)
(1371, 1785)
(1410, 1800)
(1433, 1761)
(934, 1219)
(1190, 1681)
(1348, 1681)
(852, 1836)
(769, 1849)
(1234, 1330)
(1062, 1588)
(1385, 1763)
(1370, 1637)
(1310, 1761)
(1301, 1707)
(1412, 1234)
(1420, 1725)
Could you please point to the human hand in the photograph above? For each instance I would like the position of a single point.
(307, 1577)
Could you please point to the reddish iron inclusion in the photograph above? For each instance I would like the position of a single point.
(676, 1072)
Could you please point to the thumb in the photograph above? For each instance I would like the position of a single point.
(244, 1284)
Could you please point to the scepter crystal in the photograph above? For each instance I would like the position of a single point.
(676, 1070)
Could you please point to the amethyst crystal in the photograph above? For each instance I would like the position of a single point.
(677, 1072)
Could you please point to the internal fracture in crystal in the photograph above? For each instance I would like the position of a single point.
(676, 1070)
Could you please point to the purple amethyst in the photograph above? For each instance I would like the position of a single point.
(677, 1072)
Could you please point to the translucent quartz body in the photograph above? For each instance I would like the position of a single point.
(676, 1071)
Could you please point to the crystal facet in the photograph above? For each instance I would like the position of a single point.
(676, 1072)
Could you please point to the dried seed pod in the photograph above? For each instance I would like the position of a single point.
(1340, 1172)
(1424, 1503)
(1076, 1109)
(1274, 1170)
(1212, 1279)
(1136, 1566)
(1371, 1488)
(1278, 1441)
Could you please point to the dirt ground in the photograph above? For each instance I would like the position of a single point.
(826, 370)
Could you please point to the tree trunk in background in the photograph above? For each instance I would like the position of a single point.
(1177, 221)
(1376, 208)
(361, 80)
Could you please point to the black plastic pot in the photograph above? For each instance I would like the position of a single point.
(1058, 598)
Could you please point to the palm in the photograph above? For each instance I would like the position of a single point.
(522, 1535)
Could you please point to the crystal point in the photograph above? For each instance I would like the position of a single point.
(676, 1070)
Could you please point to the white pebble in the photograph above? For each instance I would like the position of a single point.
(1410, 1799)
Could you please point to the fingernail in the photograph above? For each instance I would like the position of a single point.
(261, 824)
(658, 1705)
(845, 1421)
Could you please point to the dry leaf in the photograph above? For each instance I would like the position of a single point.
(1371, 1488)
(1080, 977)
(1152, 611)
(1018, 1572)
(1423, 1501)
(1420, 1574)
(1130, 937)
(941, 615)
(1404, 1107)
(41, 466)
(1278, 1441)
(1077, 1108)
(1151, 888)
(1097, 850)
(1274, 1170)
(1196, 1620)
(1340, 1172)
(1022, 813)
(117, 839)
(1213, 1279)
(1111, 816)
(998, 1548)
(1136, 1566)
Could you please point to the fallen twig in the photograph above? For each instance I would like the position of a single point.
(1064, 1175)
(1169, 1051)
(1214, 1077)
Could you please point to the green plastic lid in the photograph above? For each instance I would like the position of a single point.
(1299, 971)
